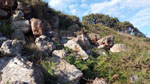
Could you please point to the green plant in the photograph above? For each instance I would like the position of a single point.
(49, 67)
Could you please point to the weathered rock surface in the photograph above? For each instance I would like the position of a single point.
(134, 78)
(56, 21)
(66, 72)
(93, 37)
(106, 42)
(7, 4)
(74, 28)
(76, 47)
(99, 81)
(22, 25)
(11, 47)
(59, 53)
(84, 42)
(54, 36)
(19, 15)
(119, 48)
(19, 35)
(36, 26)
(3, 13)
(44, 45)
(19, 71)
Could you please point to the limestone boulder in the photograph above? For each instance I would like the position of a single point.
(77, 48)
(119, 48)
(12, 47)
(18, 15)
(99, 81)
(84, 41)
(23, 25)
(59, 53)
(66, 72)
(93, 37)
(16, 70)
(106, 42)
(44, 45)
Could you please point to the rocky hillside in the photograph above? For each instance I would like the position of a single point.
(39, 45)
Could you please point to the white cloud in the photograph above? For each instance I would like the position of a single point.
(84, 5)
(142, 18)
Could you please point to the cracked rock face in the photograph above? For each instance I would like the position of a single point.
(76, 47)
(44, 45)
(11, 47)
(66, 72)
(16, 70)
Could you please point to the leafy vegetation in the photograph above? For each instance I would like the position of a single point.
(113, 23)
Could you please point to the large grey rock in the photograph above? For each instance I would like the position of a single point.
(93, 37)
(66, 72)
(18, 15)
(19, 35)
(22, 25)
(59, 53)
(3, 13)
(83, 41)
(76, 47)
(106, 42)
(12, 47)
(99, 81)
(119, 48)
(44, 45)
(19, 71)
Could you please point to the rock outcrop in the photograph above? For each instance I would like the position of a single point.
(106, 42)
(76, 47)
(119, 48)
(19, 71)
(12, 47)
(93, 37)
(2, 39)
(59, 53)
(99, 81)
(44, 45)
(66, 72)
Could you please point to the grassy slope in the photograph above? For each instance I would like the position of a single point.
(134, 61)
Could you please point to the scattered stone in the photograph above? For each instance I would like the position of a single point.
(12, 47)
(22, 25)
(19, 35)
(83, 42)
(54, 36)
(3, 13)
(99, 81)
(18, 15)
(7, 4)
(19, 71)
(134, 78)
(76, 47)
(119, 48)
(106, 42)
(59, 53)
(66, 72)
(44, 45)
(93, 37)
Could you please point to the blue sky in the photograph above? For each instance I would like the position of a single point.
(135, 11)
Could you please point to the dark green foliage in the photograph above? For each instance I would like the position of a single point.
(5, 29)
(113, 23)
